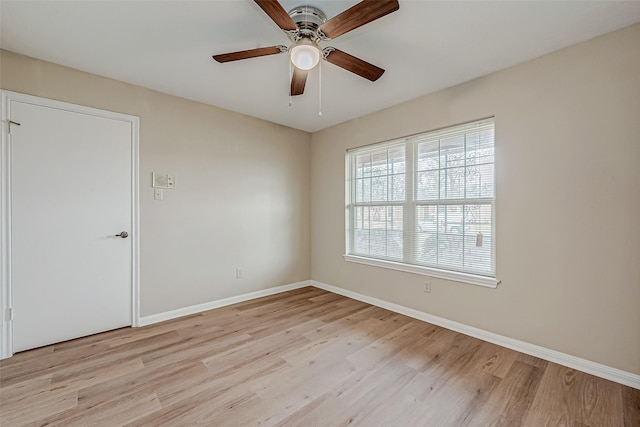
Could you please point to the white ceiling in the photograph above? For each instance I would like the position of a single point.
(424, 47)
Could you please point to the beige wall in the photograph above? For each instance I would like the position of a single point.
(567, 208)
(242, 188)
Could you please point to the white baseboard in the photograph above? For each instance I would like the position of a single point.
(593, 368)
(198, 308)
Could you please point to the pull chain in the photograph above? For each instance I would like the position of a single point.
(290, 77)
(320, 88)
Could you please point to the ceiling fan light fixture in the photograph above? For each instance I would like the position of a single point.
(305, 54)
(307, 26)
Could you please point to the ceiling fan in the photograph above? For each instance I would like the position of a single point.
(306, 27)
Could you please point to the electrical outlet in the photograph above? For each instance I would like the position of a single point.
(427, 287)
(238, 273)
(157, 194)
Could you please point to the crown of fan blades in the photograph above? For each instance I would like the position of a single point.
(358, 15)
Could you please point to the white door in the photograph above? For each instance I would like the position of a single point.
(71, 194)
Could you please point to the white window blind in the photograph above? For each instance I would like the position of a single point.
(426, 201)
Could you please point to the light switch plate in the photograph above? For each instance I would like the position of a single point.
(163, 180)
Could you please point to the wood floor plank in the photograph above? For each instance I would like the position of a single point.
(257, 348)
(203, 387)
(631, 405)
(348, 321)
(431, 350)
(208, 395)
(13, 392)
(450, 403)
(172, 364)
(388, 345)
(566, 395)
(363, 400)
(70, 363)
(44, 408)
(279, 301)
(67, 384)
(307, 415)
(532, 360)
(499, 359)
(512, 398)
(27, 356)
(260, 411)
(144, 381)
(309, 380)
(337, 345)
(115, 412)
(410, 403)
(301, 358)
(195, 348)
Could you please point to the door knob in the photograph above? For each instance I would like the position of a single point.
(123, 234)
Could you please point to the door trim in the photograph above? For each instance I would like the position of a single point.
(6, 327)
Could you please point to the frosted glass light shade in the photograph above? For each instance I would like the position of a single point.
(305, 55)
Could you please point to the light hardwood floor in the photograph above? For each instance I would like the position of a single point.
(301, 358)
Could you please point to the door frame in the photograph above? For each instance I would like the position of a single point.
(6, 323)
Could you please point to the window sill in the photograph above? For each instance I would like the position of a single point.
(472, 279)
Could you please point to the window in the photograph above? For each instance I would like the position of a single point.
(426, 204)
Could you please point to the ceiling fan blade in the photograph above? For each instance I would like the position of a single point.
(251, 53)
(298, 80)
(277, 14)
(353, 64)
(356, 16)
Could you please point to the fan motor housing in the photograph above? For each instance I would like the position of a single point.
(308, 19)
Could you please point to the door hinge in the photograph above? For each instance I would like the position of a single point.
(10, 313)
(11, 122)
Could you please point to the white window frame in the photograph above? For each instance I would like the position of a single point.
(409, 205)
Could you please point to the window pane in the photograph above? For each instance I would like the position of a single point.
(450, 235)
(378, 231)
(427, 235)
(427, 185)
(452, 183)
(478, 238)
(428, 156)
(379, 163)
(359, 190)
(396, 187)
(363, 165)
(478, 258)
(380, 175)
(479, 148)
(397, 167)
(440, 235)
(378, 242)
(452, 151)
(363, 190)
(480, 181)
(450, 219)
(397, 160)
(360, 243)
(379, 188)
(395, 232)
